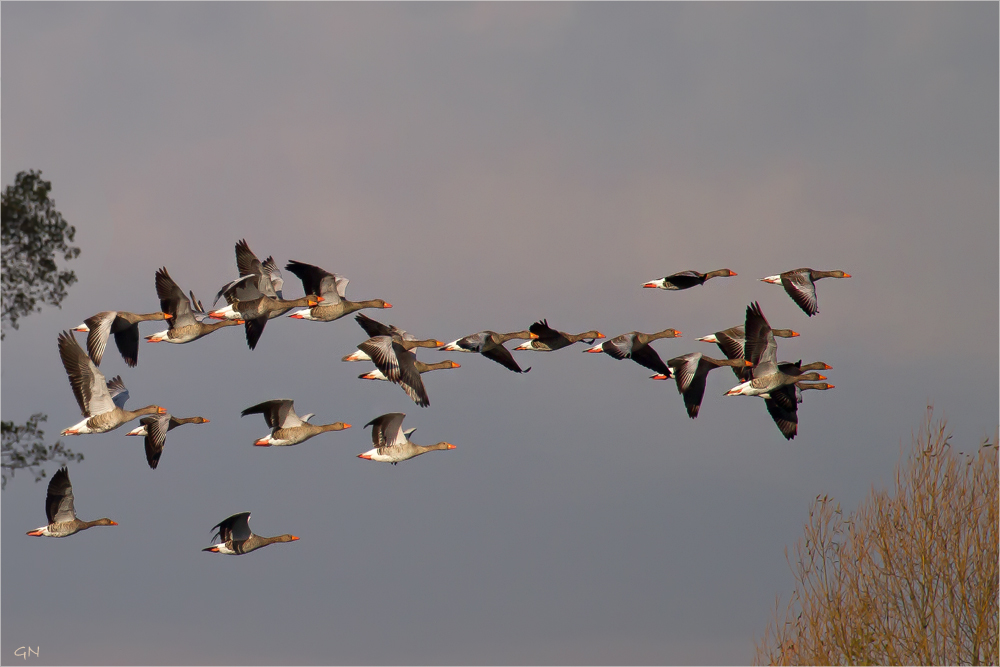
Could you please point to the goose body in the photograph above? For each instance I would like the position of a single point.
(490, 345)
(236, 538)
(102, 402)
(125, 327)
(419, 365)
(635, 345)
(549, 339)
(391, 444)
(60, 511)
(800, 284)
(154, 430)
(686, 279)
(287, 428)
(184, 326)
(332, 287)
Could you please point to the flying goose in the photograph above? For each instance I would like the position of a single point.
(801, 286)
(332, 287)
(100, 401)
(236, 538)
(124, 325)
(392, 444)
(59, 510)
(154, 429)
(185, 326)
(287, 428)
(490, 345)
(550, 339)
(686, 279)
(634, 345)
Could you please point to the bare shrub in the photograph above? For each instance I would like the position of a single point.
(910, 577)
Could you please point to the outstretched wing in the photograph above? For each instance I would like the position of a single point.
(502, 356)
(173, 301)
(59, 498)
(235, 528)
(799, 285)
(387, 430)
(86, 380)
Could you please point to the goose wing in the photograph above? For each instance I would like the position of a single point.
(319, 281)
(119, 394)
(760, 347)
(254, 329)
(100, 331)
(87, 381)
(544, 332)
(235, 528)
(127, 340)
(384, 355)
(156, 437)
(59, 498)
(502, 356)
(273, 273)
(372, 326)
(800, 286)
(173, 301)
(387, 430)
(786, 419)
(620, 347)
(645, 355)
(409, 376)
(248, 265)
(278, 413)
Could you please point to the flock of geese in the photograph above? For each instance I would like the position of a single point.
(256, 297)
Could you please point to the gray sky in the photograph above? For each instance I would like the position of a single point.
(483, 166)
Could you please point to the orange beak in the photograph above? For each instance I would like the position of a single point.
(167, 316)
(296, 316)
(732, 273)
(454, 365)
(161, 411)
(388, 305)
(347, 426)
(847, 275)
(451, 446)
(747, 362)
(660, 376)
(439, 343)
(294, 538)
(364, 456)
(262, 443)
(114, 523)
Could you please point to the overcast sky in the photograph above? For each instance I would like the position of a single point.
(482, 166)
